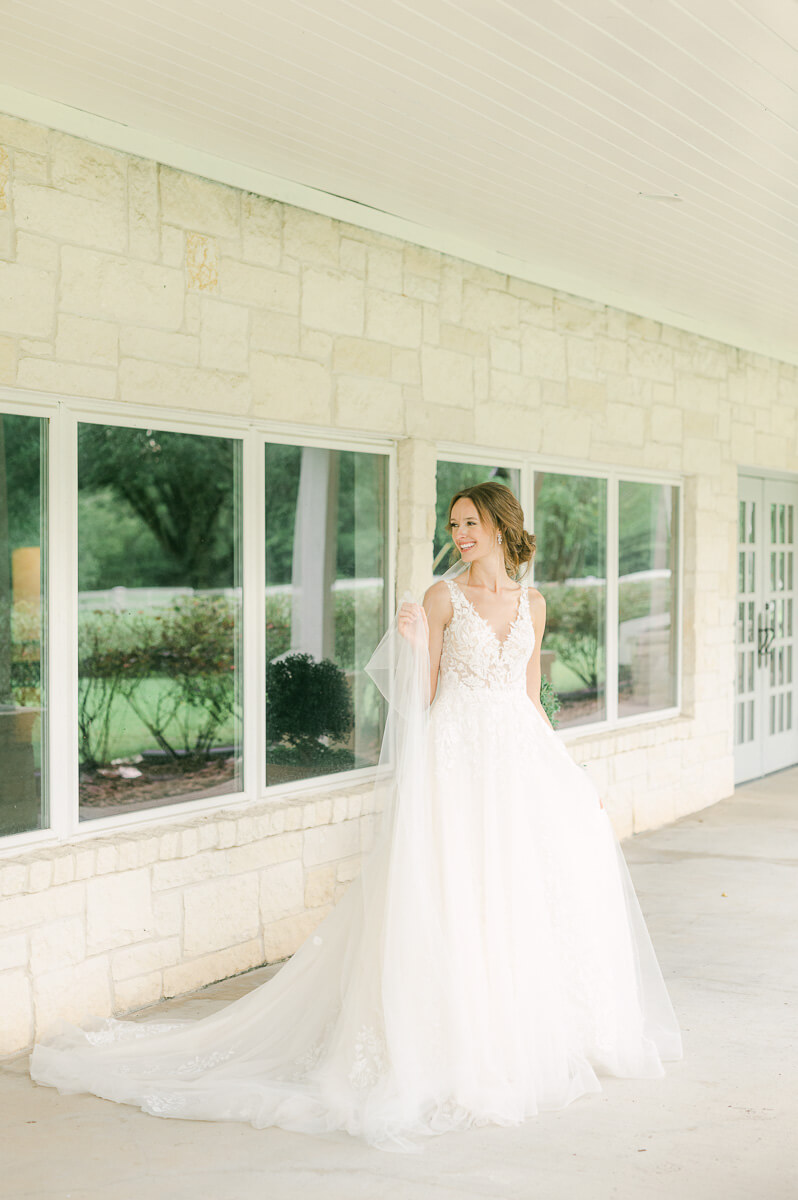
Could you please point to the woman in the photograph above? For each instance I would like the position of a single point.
(491, 959)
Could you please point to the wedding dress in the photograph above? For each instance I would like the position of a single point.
(490, 961)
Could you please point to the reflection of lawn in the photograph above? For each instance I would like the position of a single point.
(564, 680)
(129, 736)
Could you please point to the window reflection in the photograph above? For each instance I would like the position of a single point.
(158, 618)
(23, 461)
(326, 605)
(647, 634)
(570, 568)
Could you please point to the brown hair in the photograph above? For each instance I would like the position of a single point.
(497, 506)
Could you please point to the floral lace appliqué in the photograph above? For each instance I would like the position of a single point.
(472, 654)
(370, 1060)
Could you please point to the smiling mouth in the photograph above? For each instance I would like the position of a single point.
(466, 545)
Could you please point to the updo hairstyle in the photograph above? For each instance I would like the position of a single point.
(498, 507)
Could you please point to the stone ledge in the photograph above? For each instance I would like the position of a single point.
(36, 868)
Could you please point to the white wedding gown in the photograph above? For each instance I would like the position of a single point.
(490, 961)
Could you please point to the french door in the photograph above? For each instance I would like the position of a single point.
(766, 703)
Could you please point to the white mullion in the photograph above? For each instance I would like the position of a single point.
(253, 580)
(392, 534)
(62, 692)
(611, 601)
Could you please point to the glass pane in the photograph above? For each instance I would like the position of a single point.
(742, 521)
(159, 628)
(752, 525)
(782, 529)
(741, 572)
(326, 608)
(451, 478)
(751, 571)
(647, 635)
(773, 522)
(750, 720)
(23, 491)
(570, 570)
(789, 524)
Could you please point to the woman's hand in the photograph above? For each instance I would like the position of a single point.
(413, 624)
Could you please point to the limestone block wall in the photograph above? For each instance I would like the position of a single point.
(132, 283)
(111, 923)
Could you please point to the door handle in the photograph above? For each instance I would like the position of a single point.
(766, 631)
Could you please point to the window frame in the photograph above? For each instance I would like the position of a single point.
(64, 414)
(614, 475)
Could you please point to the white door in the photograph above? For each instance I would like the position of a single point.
(766, 706)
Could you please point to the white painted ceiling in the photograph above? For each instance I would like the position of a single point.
(531, 129)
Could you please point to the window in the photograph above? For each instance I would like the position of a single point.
(23, 492)
(159, 617)
(647, 598)
(612, 642)
(451, 478)
(156, 671)
(326, 608)
(570, 570)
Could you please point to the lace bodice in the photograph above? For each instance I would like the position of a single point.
(472, 655)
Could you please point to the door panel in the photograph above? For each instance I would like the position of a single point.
(766, 717)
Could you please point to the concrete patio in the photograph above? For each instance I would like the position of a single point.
(720, 892)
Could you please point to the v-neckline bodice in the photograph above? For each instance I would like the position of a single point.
(500, 642)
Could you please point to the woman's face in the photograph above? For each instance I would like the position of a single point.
(473, 539)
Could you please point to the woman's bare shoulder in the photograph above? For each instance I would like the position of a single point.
(537, 602)
(438, 601)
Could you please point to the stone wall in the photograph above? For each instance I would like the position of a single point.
(114, 922)
(134, 283)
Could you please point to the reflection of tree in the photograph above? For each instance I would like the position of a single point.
(177, 484)
(645, 514)
(569, 526)
(575, 621)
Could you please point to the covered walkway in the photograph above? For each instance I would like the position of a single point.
(720, 893)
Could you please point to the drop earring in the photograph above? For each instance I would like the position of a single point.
(500, 539)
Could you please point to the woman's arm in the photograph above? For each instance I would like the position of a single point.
(537, 607)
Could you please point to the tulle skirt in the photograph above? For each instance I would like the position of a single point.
(490, 961)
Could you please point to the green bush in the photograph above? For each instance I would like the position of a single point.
(307, 701)
(550, 700)
(191, 647)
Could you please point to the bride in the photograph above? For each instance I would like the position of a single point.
(491, 959)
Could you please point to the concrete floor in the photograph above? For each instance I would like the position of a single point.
(720, 893)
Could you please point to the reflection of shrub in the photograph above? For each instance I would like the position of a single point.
(550, 700)
(307, 701)
(194, 648)
(362, 605)
(102, 661)
(20, 654)
(350, 604)
(190, 648)
(575, 621)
